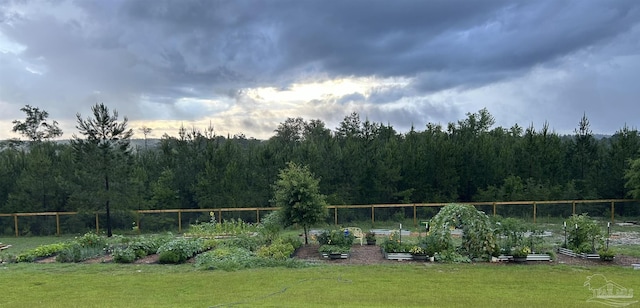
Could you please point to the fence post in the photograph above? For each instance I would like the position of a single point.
(494, 209)
(15, 224)
(257, 216)
(534, 212)
(415, 216)
(372, 215)
(613, 208)
(57, 223)
(335, 215)
(97, 224)
(179, 221)
(574, 208)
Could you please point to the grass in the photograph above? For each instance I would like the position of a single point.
(396, 285)
(402, 285)
(20, 244)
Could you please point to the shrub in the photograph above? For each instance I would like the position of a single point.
(179, 250)
(171, 257)
(279, 250)
(124, 255)
(271, 225)
(583, 234)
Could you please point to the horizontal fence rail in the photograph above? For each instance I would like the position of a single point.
(334, 208)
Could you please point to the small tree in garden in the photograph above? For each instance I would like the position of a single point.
(297, 193)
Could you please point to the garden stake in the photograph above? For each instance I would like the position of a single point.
(565, 234)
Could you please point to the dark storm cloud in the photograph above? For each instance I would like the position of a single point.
(125, 52)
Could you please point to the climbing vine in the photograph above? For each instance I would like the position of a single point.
(478, 235)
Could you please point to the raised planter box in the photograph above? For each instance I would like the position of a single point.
(571, 253)
(387, 232)
(400, 256)
(530, 257)
(342, 256)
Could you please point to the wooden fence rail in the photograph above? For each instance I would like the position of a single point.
(334, 208)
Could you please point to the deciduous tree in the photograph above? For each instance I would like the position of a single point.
(297, 193)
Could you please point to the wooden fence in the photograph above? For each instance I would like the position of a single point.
(332, 208)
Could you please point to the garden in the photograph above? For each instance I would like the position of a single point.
(234, 263)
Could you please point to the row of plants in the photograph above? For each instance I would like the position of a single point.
(131, 249)
(232, 255)
(88, 246)
(213, 228)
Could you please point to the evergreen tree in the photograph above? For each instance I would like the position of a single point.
(104, 156)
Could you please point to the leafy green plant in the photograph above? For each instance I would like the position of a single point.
(520, 251)
(417, 250)
(606, 254)
(76, 252)
(124, 255)
(132, 249)
(179, 250)
(478, 236)
(335, 237)
(334, 249)
(230, 227)
(42, 251)
(279, 250)
(91, 239)
(583, 234)
(370, 236)
(394, 244)
(271, 225)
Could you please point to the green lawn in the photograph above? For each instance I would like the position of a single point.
(402, 285)
(398, 285)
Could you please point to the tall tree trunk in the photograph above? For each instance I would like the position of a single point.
(106, 186)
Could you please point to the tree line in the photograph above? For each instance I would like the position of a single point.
(359, 162)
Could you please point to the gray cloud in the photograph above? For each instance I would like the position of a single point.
(76, 53)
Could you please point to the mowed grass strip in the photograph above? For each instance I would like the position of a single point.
(402, 285)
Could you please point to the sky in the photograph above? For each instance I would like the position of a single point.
(244, 67)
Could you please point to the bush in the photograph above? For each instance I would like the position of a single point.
(179, 250)
(586, 236)
(278, 250)
(271, 225)
(124, 255)
(171, 257)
